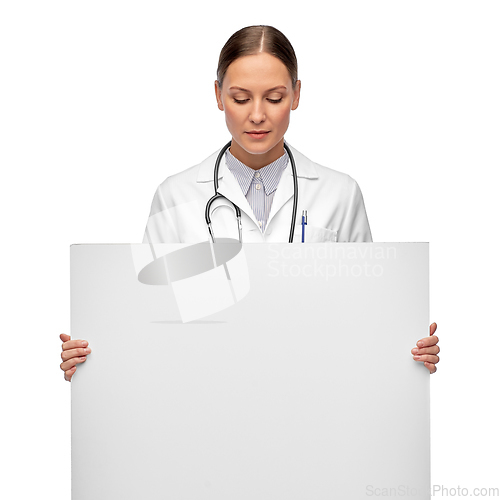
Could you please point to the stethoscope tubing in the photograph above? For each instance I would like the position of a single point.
(295, 192)
(236, 208)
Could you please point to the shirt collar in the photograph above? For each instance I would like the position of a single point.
(204, 171)
(269, 175)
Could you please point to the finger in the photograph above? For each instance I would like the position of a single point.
(69, 373)
(75, 353)
(428, 341)
(64, 337)
(426, 350)
(431, 367)
(431, 358)
(73, 344)
(433, 328)
(66, 365)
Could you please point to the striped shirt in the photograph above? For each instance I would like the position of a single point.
(258, 186)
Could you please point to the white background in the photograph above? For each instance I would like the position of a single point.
(101, 100)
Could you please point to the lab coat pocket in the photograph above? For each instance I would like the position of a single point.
(315, 234)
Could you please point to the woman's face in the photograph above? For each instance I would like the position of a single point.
(257, 96)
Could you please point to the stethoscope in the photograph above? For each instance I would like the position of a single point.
(236, 208)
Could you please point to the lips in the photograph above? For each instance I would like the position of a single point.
(257, 134)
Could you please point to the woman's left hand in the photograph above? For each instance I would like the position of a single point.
(427, 350)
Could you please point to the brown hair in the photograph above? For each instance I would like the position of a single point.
(252, 40)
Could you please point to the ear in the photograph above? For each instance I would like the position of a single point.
(296, 95)
(218, 96)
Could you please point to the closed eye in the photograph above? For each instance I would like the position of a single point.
(274, 101)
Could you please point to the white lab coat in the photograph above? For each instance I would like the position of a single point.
(333, 200)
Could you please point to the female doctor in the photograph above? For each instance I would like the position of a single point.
(257, 88)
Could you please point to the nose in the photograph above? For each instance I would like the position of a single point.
(257, 114)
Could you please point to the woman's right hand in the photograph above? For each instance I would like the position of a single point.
(73, 352)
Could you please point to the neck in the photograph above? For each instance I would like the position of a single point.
(257, 161)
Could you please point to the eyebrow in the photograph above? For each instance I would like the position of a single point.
(269, 90)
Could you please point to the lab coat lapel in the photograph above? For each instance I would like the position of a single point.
(283, 193)
(229, 187)
(305, 170)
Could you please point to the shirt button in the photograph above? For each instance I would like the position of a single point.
(260, 223)
(257, 186)
(257, 174)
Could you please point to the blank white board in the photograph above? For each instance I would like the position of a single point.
(303, 387)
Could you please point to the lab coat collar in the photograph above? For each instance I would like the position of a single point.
(305, 167)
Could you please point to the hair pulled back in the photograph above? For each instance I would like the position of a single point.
(252, 40)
